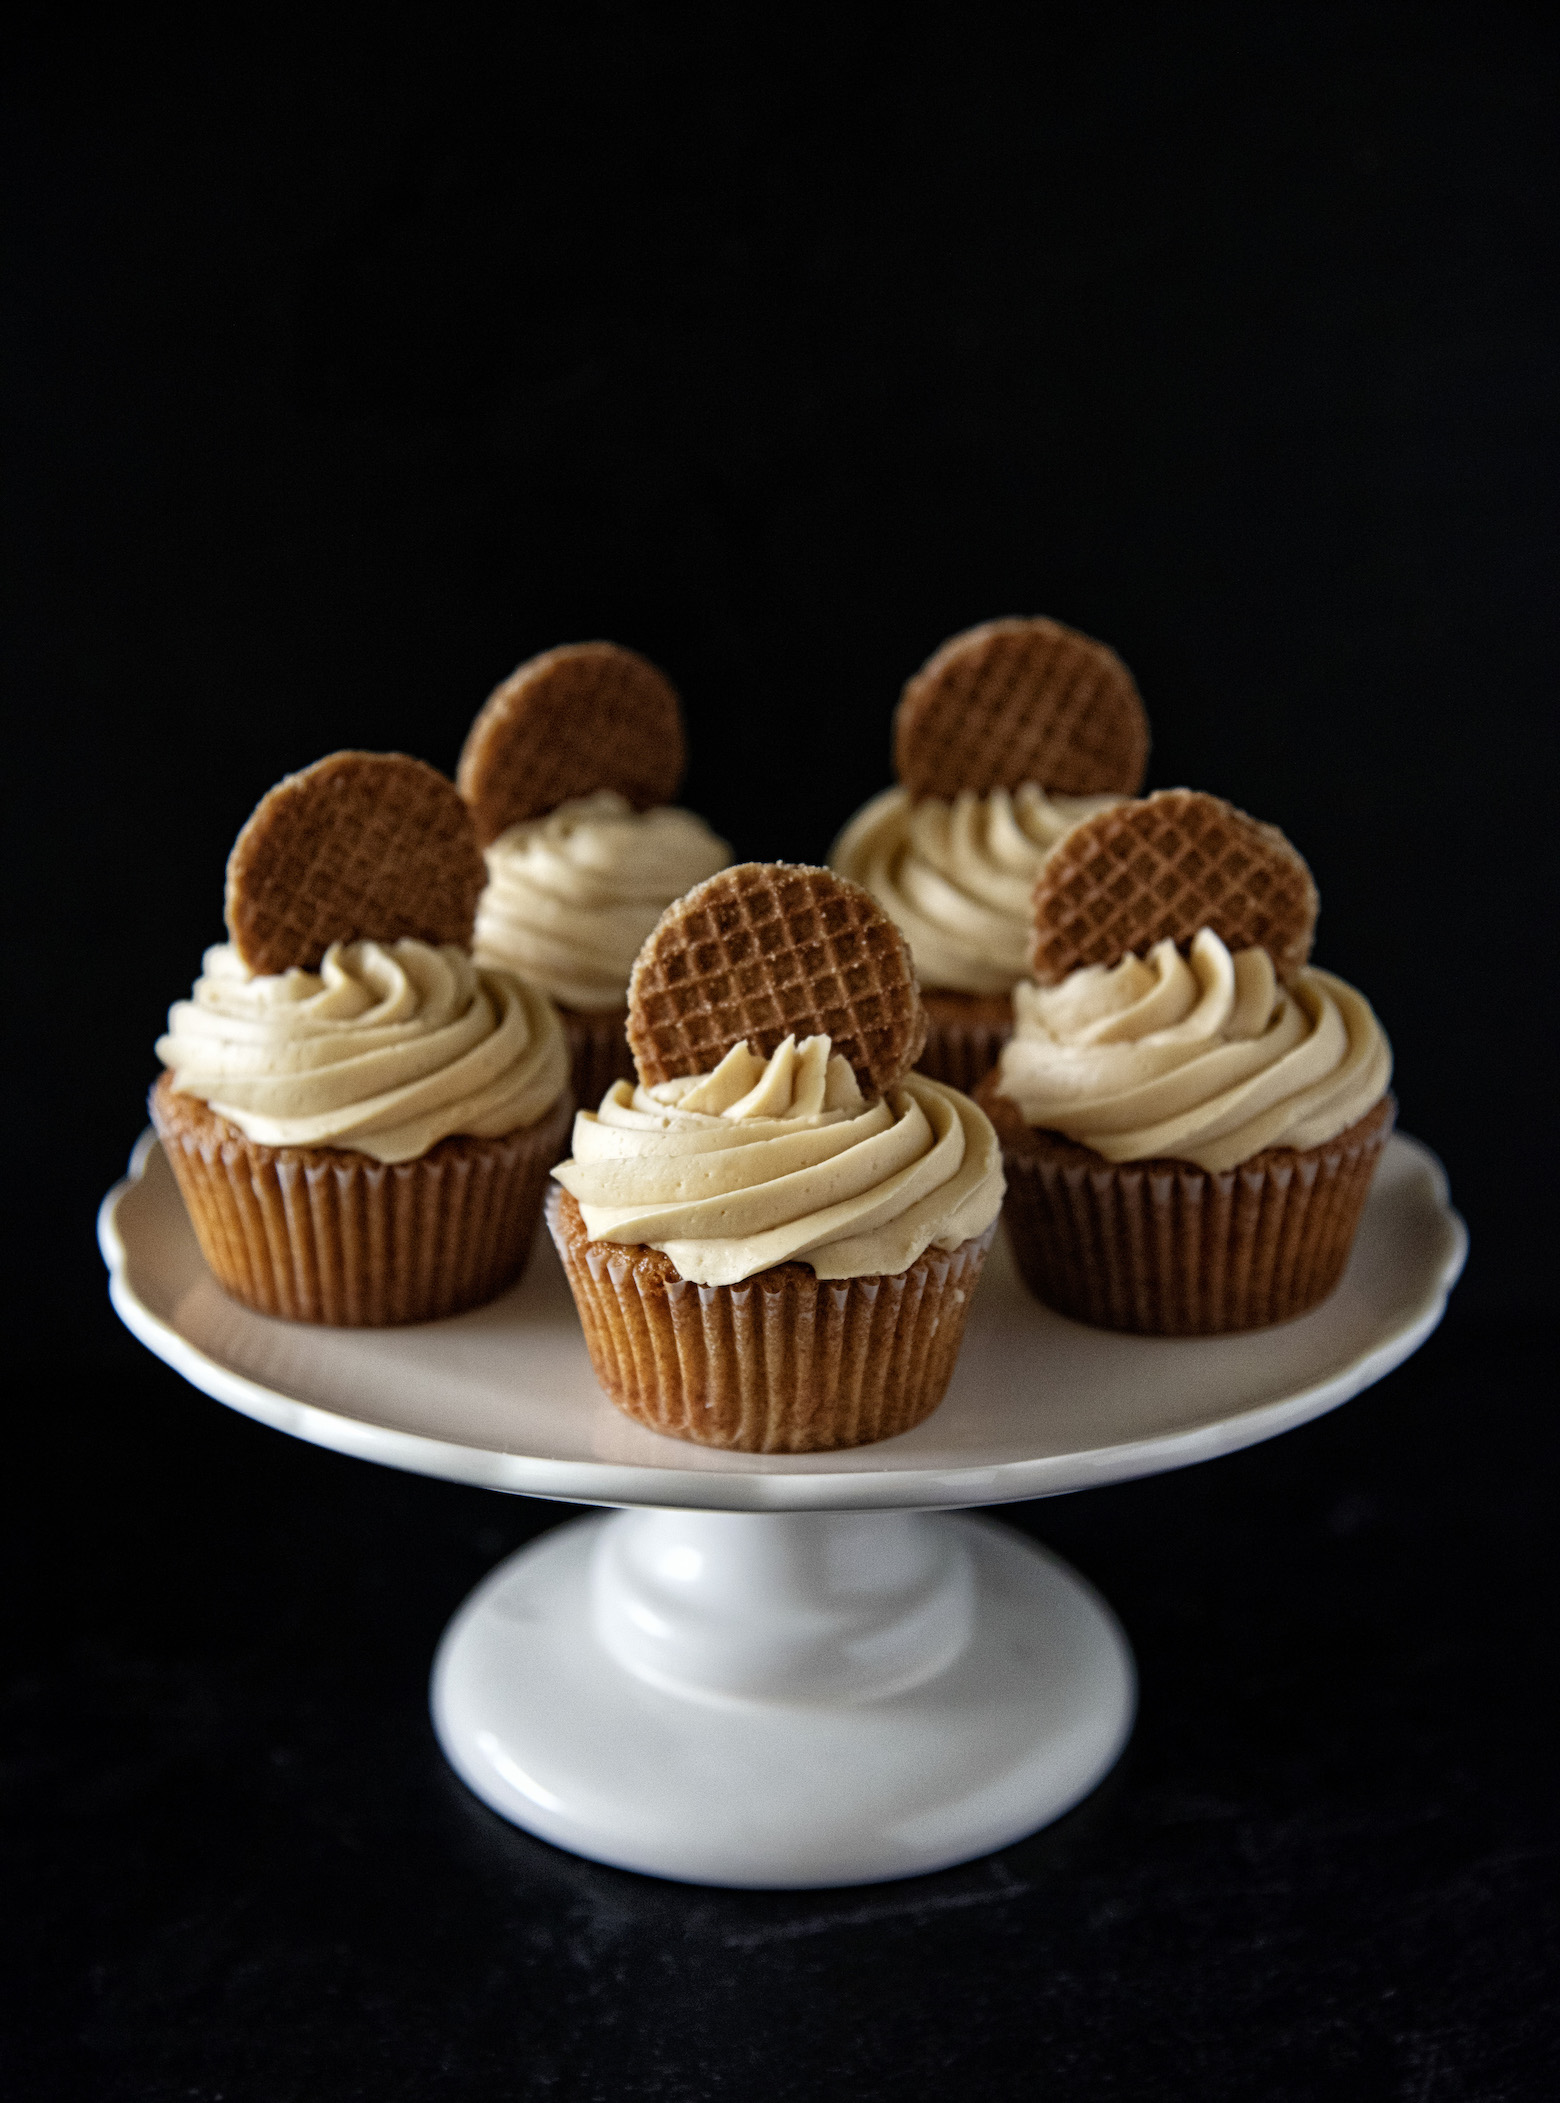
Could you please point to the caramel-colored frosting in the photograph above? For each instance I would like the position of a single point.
(777, 1160)
(385, 1050)
(1203, 1058)
(571, 897)
(959, 877)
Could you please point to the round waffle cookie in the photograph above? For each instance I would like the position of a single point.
(1167, 866)
(360, 846)
(1021, 700)
(583, 717)
(766, 950)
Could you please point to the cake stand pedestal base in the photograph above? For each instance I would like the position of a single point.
(782, 1699)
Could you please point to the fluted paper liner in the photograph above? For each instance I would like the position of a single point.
(598, 1052)
(785, 1362)
(320, 1234)
(1165, 1248)
(964, 1036)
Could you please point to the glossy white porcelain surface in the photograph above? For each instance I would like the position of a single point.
(505, 1396)
(799, 1606)
(783, 1671)
(847, 1757)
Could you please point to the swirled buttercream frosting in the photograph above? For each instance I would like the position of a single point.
(1203, 1058)
(571, 897)
(959, 877)
(780, 1160)
(385, 1050)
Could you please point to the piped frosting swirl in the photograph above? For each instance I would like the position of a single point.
(959, 877)
(1203, 1057)
(385, 1050)
(763, 1162)
(572, 896)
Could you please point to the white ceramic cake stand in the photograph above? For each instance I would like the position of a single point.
(774, 1670)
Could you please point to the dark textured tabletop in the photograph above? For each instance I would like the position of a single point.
(348, 370)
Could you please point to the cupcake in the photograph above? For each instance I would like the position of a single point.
(568, 771)
(361, 1119)
(1008, 737)
(1190, 1112)
(773, 1235)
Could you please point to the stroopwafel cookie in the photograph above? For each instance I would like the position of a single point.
(766, 950)
(360, 846)
(1167, 866)
(582, 717)
(1013, 701)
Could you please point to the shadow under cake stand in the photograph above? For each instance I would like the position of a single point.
(771, 1669)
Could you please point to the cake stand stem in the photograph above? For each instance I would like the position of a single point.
(788, 1698)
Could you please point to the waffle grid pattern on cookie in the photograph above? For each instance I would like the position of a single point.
(583, 717)
(1021, 700)
(1168, 866)
(766, 950)
(360, 846)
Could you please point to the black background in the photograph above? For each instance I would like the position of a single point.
(344, 370)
